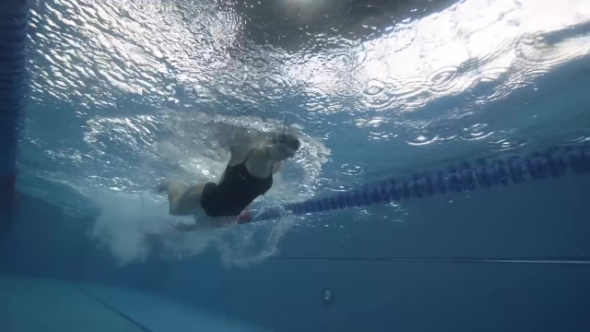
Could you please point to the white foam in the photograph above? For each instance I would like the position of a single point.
(130, 226)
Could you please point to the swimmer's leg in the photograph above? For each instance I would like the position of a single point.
(174, 190)
(182, 201)
(203, 222)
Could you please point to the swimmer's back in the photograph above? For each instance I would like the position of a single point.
(237, 189)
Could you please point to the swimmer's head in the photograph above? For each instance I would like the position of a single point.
(284, 146)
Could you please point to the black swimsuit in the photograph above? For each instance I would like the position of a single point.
(237, 190)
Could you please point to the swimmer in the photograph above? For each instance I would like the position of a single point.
(248, 174)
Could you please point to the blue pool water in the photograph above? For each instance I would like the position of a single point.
(125, 94)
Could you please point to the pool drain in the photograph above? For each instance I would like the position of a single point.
(327, 296)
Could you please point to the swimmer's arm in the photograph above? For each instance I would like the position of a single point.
(240, 146)
(239, 152)
(237, 147)
(241, 149)
(242, 141)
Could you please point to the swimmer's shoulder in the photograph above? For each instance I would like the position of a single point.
(240, 151)
(243, 149)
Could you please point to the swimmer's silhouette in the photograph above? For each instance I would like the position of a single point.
(249, 174)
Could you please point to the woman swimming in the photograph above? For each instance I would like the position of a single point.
(248, 174)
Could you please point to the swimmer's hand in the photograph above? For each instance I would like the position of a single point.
(185, 226)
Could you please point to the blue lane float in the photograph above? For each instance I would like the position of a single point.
(461, 177)
(14, 15)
